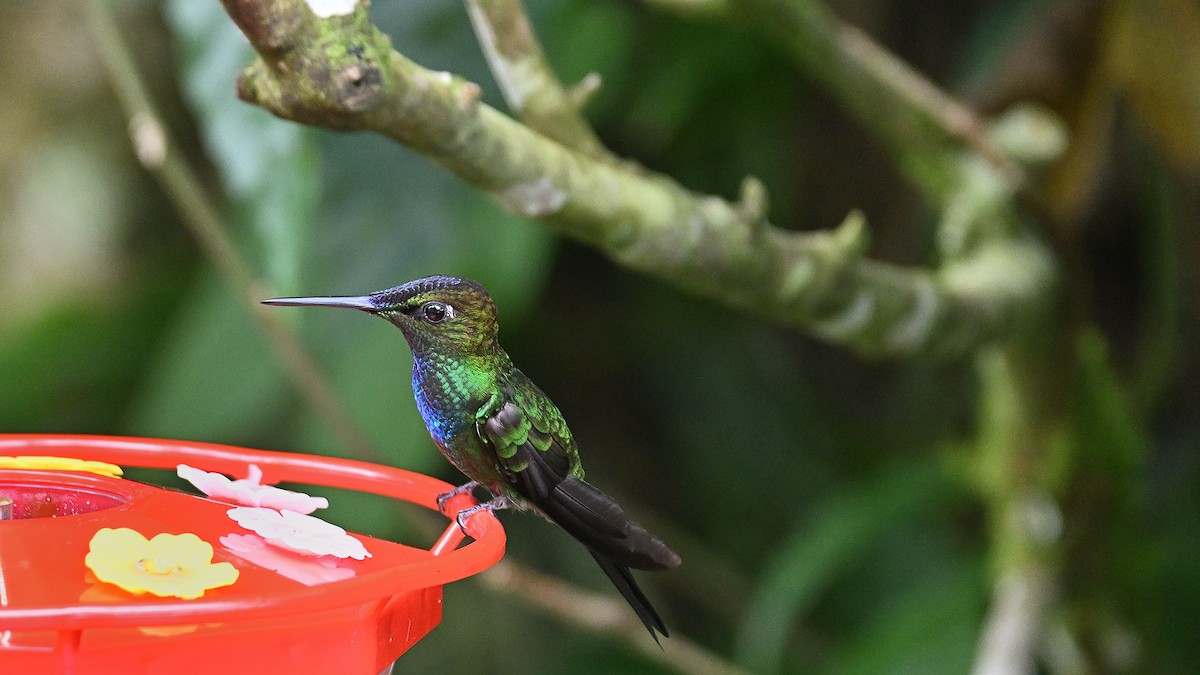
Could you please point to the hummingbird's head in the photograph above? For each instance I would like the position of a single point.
(440, 314)
(447, 314)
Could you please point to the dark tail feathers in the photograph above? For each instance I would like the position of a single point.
(616, 542)
(623, 579)
(597, 521)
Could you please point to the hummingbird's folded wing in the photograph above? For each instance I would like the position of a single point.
(537, 463)
(538, 458)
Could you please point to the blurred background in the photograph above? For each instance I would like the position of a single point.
(818, 499)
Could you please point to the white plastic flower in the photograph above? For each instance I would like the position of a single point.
(298, 532)
(307, 570)
(249, 491)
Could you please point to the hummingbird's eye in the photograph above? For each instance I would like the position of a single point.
(436, 312)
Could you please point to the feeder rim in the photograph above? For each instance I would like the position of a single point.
(448, 563)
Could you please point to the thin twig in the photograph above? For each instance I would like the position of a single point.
(926, 129)
(528, 83)
(159, 155)
(1010, 633)
(1018, 425)
(604, 615)
(949, 116)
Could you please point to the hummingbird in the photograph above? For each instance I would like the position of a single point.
(498, 428)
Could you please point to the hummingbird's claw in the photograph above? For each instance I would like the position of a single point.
(461, 519)
(494, 505)
(447, 496)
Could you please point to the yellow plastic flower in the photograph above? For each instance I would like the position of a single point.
(60, 464)
(169, 565)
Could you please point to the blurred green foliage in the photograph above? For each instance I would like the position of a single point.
(819, 500)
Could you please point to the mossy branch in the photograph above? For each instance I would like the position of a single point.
(530, 87)
(341, 72)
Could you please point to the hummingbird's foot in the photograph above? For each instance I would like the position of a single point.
(495, 505)
(447, 496)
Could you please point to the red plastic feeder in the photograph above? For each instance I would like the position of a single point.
(55, 617)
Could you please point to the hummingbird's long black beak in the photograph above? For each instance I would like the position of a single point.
(362, 302)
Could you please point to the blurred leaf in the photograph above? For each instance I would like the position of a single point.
(1164, 263)
(673, 84)
(75, 367)
(733, 410)
(925, 629)
(818, 550)
(1162, 595)
(382, 226)
(513, 257)
(268, 166)
(370, 370)
(585, 37)
(437, 35)
(1110, 442)
(212, 378)
(63, 383)
(403, 220)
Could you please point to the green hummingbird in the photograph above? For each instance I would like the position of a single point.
(495, 425)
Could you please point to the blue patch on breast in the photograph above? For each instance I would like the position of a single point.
(441, 422)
